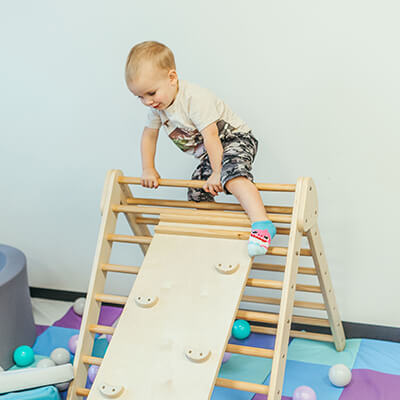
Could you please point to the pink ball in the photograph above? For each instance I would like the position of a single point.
(304, 393)
(92, 372)
(226, 357)
(72, 343)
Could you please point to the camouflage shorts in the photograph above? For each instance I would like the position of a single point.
(239, 152)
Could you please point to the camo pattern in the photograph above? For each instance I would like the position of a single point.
(239, 152)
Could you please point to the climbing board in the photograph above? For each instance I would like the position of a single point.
(177, 319)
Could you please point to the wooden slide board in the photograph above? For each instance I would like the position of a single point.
(196, 308)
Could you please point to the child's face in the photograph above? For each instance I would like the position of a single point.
(155, 88)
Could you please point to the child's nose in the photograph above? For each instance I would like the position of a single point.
(148, 101)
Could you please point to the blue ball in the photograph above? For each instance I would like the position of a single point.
(24, 356)
(241, 329)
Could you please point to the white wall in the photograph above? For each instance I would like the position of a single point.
(318, 82)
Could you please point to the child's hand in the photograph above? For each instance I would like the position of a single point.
(149, 178)
(213, 184)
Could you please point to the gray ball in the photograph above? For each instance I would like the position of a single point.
(60, 356)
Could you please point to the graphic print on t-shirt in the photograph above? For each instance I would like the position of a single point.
(188, 140)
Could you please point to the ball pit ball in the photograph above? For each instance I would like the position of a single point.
(1, 368)
(23, 356)
(339, 375)
(92, 372)
(62, 386)
(60, 356)
(304, 393)
(241, 329)
(72, 343)
(226, 357)
(79, 305)
(45, 363)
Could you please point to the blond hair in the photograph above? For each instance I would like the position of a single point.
(157, 53)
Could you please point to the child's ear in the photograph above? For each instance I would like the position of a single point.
(173, 76)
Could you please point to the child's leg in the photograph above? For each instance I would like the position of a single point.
(202, 173)
(262, 229)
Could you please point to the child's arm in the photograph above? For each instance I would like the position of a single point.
(148, 151)
(214, 148)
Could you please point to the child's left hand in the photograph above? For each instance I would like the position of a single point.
(213, 184)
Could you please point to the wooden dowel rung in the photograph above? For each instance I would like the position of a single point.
(197, 216)
(82, 392)
(281, 268)
(249, 351)
(90, 360)
(322, 337)
(270, 187)
(268, 318)
(203, 205)
(111, 298)
(264, 283)
(120, 268)
(147, 221)
(129, 239)
(273, 318)
(101, 329)
(244, 386)
(277, 302)
(217, 220)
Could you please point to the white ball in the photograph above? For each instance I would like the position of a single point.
(45, 363)
(340, 375)
(1, 368)
(79, 305)
(60, 356)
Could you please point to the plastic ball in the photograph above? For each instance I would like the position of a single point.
(60, 356)
(79, 305)
(72, 343)
(45, 363)
(226, 357)
(62, 386)
(92, 372)
(241, 329)
(304, 393)
(1, 368)
(108, 337)
(340, 375)
(23, 356)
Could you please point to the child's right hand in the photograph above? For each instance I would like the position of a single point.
(150, 178)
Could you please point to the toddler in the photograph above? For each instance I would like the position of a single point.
(201, 124)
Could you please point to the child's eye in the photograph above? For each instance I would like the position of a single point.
(152, 93)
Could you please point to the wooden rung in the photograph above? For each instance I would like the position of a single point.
(270, 187)
(308, 288)
(268, 318)
(193, 216)
(244, 386)
(249, 351)
(322, 337)
(90, 360)
(120, 268)
(129, 239)
(277, 302)
(264, 283)
(204, 205)
(281, 268)
(111, 298)
(272, 318)
(213, 220)
(82, 392)
(101, 329)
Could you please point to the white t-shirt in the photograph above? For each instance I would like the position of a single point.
(194, 109)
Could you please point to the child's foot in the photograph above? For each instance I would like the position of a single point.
(262, 232)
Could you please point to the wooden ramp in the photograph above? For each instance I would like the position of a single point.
(177, 320)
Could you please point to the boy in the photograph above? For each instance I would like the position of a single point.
(201, 124)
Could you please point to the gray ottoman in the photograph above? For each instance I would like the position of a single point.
(16, 319)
